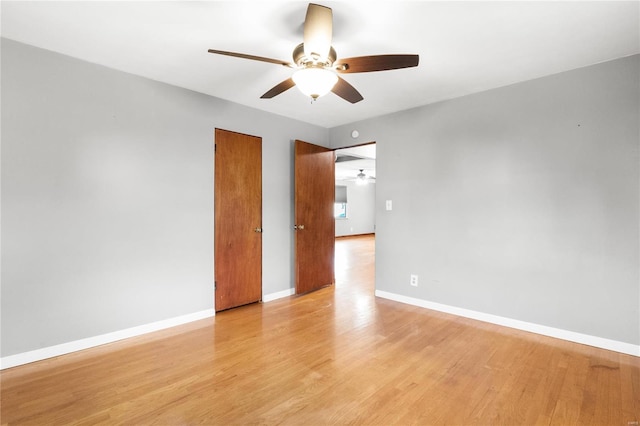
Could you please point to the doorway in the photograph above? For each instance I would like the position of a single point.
(355, 207)
(315, 196)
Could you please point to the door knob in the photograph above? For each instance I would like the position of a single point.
(258, 230)
(298, 227)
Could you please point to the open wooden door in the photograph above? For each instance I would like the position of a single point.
(314, 221)
(238, 219)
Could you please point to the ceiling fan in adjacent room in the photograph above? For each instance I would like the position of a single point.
(363, 179)
(316, 63)
(360, 179)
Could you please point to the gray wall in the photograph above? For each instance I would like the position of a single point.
(107, 198)
(520, 202)
(361, 210)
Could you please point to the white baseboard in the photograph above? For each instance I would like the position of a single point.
(78, 345)
(278, 295)
(585, 339)
(90, 342)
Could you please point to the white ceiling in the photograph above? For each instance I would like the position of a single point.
(464, 47)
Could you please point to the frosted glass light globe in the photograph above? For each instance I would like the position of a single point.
(315, 82)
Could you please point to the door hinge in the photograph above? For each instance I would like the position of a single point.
(215, 147)
(215, 285)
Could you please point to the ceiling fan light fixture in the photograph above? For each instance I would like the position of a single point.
(315, 81)
(315, 60)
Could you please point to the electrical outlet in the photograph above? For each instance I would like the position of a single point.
(389, 205)
(413, 280)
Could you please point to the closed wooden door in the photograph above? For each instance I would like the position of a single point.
(238, 219)
(314, 221)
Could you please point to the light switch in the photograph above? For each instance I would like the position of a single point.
(389, 205)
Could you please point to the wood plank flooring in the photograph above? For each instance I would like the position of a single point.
(335, 356)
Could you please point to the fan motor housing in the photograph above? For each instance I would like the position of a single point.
(300, 59)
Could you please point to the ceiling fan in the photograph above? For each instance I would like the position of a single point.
(316, 63)
(362, 179)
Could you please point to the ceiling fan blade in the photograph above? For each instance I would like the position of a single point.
(252, 57)
(376, 63)
(346, 91)
(279, 88)
(318, 30)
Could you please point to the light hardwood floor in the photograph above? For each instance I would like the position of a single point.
(338, 355)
